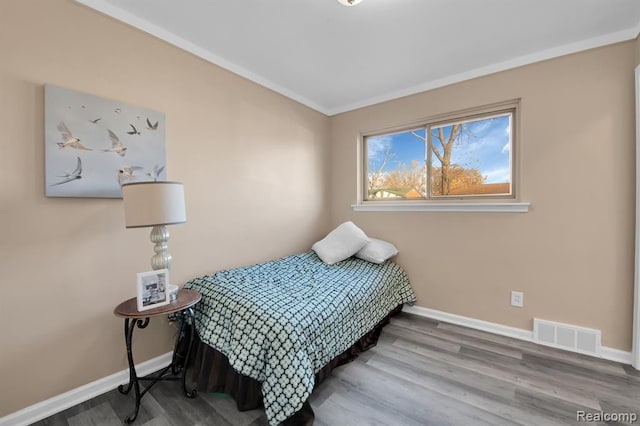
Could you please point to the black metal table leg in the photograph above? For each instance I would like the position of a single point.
(189, 315)
(176, 362)
(180, 308)
(134, 382)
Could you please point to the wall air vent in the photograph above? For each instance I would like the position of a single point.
(566, 336)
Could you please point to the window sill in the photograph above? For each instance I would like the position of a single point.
(444, 207)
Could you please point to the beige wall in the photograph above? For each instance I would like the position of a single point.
(254, 165)
(256, 172)
(572, 254)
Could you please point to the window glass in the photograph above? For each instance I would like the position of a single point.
(471, 156)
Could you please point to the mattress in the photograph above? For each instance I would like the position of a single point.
(280, 322)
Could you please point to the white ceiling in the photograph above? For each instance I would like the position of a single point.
(334, 58)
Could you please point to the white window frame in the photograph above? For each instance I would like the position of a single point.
(486, 203)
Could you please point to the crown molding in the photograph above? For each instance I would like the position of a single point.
(137, 22)
(544, 55)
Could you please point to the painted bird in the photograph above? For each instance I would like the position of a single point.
(126, 173)
(155, 173)
(133, 131)
(152, 126)
(116, 145)
(74, 175)
(68, 140)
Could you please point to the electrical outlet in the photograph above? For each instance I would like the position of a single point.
(517, 299)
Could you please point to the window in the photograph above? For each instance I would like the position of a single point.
(466, 156)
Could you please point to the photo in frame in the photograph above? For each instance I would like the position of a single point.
(93, 144)
(153, 289)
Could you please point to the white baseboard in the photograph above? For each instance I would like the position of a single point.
(607, 353)
(61, 402)
(613, 354)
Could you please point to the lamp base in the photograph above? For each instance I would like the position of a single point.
(162, 258)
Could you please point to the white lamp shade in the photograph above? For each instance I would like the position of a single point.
(153, 203)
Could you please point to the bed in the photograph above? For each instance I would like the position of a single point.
(280, 324)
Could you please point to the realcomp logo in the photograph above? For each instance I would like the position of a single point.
(583, 416)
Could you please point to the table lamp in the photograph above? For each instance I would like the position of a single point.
(156, 205)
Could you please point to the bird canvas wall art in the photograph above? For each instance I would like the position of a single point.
(110, 143)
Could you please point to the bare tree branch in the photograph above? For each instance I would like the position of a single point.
(413, 132)
(376, 177)
(441, 138)
(438, 155)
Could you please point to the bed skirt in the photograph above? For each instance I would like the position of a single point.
(213, 373)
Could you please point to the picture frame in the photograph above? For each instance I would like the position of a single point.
(152, 289)
(93, 145)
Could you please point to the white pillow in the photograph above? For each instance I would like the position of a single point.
(341, 243)
(377, 251)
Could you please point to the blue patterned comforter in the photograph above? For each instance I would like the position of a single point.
(280, 322)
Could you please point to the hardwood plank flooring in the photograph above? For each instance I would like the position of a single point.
(422, 372)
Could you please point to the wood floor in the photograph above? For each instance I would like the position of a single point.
(422, 372)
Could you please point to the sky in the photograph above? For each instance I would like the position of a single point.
(485, 146)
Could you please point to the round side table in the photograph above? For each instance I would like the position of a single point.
(181, 308)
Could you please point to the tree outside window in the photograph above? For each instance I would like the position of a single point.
(465, 157)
